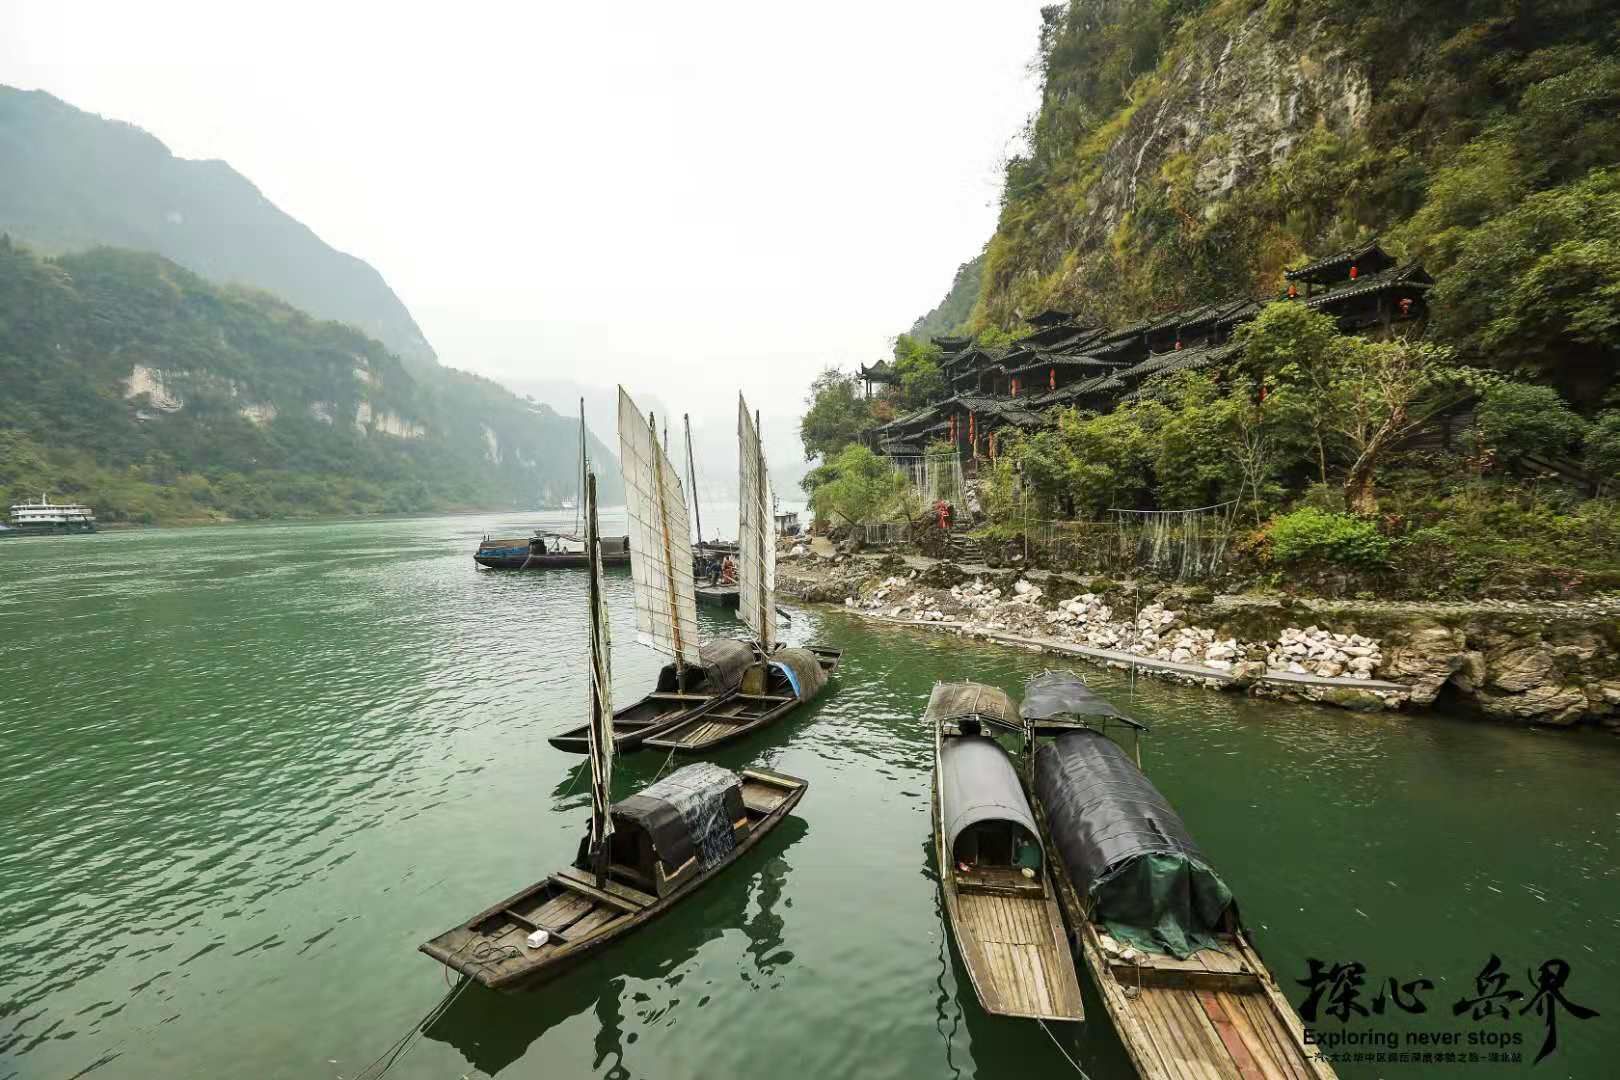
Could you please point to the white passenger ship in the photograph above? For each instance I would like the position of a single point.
(46, 517)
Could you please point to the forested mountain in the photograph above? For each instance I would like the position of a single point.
(135, 385)
(1188, 151)
(73, 180)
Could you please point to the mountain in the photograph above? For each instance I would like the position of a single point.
(133, 384)
(1189, 151)
(954, 311)
(74, 180)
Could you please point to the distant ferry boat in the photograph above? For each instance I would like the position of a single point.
(48, 518)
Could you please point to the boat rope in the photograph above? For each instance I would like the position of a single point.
(1061, 1050)
(667, 759)
(486, 952)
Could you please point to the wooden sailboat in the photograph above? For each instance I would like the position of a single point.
(641, 856)
(1185, 986)
(699, 676)
(779, 679)
(999, 897)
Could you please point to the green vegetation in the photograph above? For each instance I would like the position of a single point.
(134, 385)
(1310, 535)
(1485, 144)
(953, 312)
(835, 414)
(859, 486)
(74, 181)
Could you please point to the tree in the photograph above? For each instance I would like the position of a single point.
(859, 486)
(1517, 418)
(835, 416)
(1382, 392)
(1603, 447)
(917, 364)
(1291, 348)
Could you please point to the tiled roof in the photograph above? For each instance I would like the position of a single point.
(1338, 258)
(1410, 276)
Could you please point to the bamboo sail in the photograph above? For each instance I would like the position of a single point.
(756, 542)
(660, 541)
(601, 720)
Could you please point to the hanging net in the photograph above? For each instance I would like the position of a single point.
(1178, 545)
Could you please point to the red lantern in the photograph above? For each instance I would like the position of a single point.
(1293, 291)
(1406, 306)
(1352, 273)
(1051, 378)
(1178, 346)
(1015, 387)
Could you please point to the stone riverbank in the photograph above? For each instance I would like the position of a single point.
(1554, 663)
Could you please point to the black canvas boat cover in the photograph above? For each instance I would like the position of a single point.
(1125, 849)
(689, 812)
(978, 783)
(953, 701)
(724, 661)
(803, 670)
(1052, 695)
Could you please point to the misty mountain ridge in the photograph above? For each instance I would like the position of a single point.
(75, 180)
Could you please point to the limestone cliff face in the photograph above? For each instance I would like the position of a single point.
(1128, 209)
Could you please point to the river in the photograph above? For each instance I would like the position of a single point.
(246, 770)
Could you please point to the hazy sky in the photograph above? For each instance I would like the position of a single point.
(679, 197)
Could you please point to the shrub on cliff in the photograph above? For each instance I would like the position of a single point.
(1311, 535)
(1516, 419)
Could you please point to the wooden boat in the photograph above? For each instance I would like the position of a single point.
(770, 689)
(548, 551)
(644, 879)
(640, 857)
(722, 664)
(999, 898)
(1185, 986)
(779, 679)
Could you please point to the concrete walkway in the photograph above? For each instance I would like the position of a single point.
(1284, 680)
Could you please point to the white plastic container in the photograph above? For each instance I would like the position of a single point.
(537, 939)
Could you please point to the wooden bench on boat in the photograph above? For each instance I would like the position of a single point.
(769, 690)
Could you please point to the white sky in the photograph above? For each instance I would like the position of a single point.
(679, 197)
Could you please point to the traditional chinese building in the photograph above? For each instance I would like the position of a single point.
(1065, 361)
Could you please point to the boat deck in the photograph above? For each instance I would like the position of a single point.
(1217, 1015)
(1019, 960)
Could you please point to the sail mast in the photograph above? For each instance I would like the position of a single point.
(601, 720)
(691, 472)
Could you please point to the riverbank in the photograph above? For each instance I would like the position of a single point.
(1553, 663)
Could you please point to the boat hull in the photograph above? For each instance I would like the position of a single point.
(1009, 934)
(490, 949)
(1220, 1012)
(46, 530)
(520, 558)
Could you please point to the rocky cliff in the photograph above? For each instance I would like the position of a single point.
(1190, 150)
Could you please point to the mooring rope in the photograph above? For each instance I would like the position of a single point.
(1061, 1050)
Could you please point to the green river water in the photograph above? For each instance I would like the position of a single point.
(244, 771)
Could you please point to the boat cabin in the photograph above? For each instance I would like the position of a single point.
(673, 830)
(989, 829)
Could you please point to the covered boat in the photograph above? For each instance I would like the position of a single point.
(548, 551)
(640, 856)
(999, 897)
(1159, 929)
